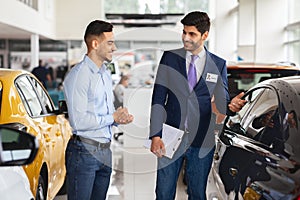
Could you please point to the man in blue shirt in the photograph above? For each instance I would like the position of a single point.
(89, 95)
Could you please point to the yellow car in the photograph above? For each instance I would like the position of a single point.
(26, 105)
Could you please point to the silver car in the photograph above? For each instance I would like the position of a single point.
(16, 148)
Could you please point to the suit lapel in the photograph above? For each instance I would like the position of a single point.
(211, 74)
(182, 57)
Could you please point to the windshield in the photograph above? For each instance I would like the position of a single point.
(243, 80)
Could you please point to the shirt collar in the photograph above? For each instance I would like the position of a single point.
(200, 55)
(93, 67)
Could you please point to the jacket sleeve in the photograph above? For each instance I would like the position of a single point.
(221, 93)
(159, 97)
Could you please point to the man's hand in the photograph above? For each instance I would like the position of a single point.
(237, 103)
(158, 147)
(219, 116)
(121, 116)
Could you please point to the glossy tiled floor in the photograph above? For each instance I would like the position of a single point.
(133, 177)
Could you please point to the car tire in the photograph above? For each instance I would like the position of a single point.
(41, 192)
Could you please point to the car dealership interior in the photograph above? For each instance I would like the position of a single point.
(259, 39)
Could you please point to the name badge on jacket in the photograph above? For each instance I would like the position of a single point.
(211, 77)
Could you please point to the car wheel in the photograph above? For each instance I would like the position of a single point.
(41, 189)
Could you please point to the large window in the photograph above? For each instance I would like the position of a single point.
(31, 3)
(154, 6)
(293, 32)
(294, 51)
(293, 42)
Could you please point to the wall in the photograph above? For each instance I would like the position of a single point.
(17, 14)
(72, 17)
(149, 34)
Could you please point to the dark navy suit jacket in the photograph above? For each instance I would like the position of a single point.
(175, 105)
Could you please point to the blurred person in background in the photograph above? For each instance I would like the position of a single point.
(43, 74)
(119, 91)
(119, 97)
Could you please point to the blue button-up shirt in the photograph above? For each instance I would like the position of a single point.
(89, 96)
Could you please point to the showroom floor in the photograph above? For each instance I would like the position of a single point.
(119, 191)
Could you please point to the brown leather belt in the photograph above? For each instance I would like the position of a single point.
(91, 142)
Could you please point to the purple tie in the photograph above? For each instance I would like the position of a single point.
(192, 79)
(192, 74)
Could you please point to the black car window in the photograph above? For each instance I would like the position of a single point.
(242, 80)
(45, 100)
(28, 96)
(252, 119)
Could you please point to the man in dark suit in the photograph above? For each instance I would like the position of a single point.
(182, 104)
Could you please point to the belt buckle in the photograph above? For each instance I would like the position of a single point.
(104, 145)
(101, 145)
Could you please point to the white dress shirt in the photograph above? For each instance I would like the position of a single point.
(199, 62)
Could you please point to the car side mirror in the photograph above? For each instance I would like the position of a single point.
(17, 147)
(224, 136)
(63, 108)
(225, 139)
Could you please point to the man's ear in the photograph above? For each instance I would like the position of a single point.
(204, 35)
(94, 44)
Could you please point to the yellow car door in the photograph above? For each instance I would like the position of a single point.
(55, 138)
(48, 173)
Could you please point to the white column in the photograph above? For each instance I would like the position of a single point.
(34, 50)
(139, 164)
(223, 32)
(272, 17)
(247, 30)
(102, 11)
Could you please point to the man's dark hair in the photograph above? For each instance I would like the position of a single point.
(96, 28)
(198, 19)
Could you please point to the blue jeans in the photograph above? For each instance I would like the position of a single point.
(197, 169)
(88, 171)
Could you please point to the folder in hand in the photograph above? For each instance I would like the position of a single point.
(171, 137)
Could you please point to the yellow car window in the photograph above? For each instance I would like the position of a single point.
(29, 97)
(46, 103)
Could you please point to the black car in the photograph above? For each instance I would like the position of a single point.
(243, 75)
(258, 153)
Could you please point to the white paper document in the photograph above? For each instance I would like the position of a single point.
(171, 137)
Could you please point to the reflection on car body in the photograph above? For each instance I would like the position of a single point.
(26, 105)
(258, 156)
